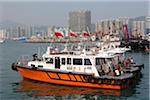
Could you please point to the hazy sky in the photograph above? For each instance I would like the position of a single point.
(56, 13)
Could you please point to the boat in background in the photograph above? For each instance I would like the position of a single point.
(24, 39)
(2, 40)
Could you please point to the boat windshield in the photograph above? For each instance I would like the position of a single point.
(100, 61)
(110, 62)
(107, 61)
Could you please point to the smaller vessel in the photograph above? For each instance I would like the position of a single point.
(2, 40)
(24, 39)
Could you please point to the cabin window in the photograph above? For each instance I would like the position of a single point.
(77, 61)
(108, 47)
(87, 62)
(69, 61)
(40, 66)
(32, 65)
(63, 60)
(49, 60)
(46, 59)
(98, 61)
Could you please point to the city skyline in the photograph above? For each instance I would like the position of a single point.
(56, 13)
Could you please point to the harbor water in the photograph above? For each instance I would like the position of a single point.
(14, 87)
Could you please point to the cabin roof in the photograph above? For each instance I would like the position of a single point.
(100, 55)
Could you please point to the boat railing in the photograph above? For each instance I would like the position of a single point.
(23, 60)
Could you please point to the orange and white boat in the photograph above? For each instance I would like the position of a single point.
(76, 68)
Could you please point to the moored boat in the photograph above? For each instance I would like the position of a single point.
(2, 40)
(76, 68)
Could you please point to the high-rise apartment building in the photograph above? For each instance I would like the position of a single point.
(138, 28)
(80, 21)
(147, 24)
(21, 31)
(2, 34)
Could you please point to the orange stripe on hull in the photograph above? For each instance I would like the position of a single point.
(53, 75)
(78, 78)
(46, 77)
(82, 78)
(64, 76)
(72, 77)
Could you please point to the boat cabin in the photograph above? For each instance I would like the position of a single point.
(95, 64)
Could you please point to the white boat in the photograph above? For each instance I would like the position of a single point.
(2, 40)
(20, 38)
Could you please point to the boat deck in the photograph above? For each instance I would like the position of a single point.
(131, 69)
(124, 76)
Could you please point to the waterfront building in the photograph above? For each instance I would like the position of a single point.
(121, 26)
(92, 28)
(147, 25)
(13, 32)
(80, 21)
(49, 32)
(40, 31)
(31, 31)
(138, 29)
(2, 34)
(22, 32)
(98, 26)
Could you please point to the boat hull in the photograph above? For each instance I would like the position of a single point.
(69, 79)
(44, 89)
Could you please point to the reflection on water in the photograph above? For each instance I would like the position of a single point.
(45, 89)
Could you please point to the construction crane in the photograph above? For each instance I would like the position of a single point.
(126, 33)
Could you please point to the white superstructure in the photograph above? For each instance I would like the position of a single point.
(79, 61)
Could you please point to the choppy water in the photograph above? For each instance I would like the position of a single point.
(13, 87)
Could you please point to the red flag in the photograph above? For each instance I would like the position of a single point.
(72, 34)
(58, 34)
(86, 34)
